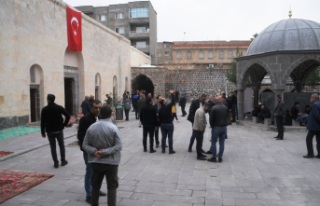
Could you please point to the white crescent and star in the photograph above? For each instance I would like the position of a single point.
(76, 20)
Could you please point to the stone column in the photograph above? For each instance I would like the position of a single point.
(240, 104)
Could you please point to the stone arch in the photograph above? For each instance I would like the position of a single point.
(97, 82)
(256, 72)
(142, 81)
(37, 98)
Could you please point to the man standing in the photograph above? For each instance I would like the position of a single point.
(52, 123)
(196, 104)
(182, 104)
(127, 106)
(149, 120)
(85, 105)
(313, 126)
(141, 103)
(157, 107)
(218, 122)
(103, 145)
(211, 101)
(199, 126)
(234, 107)
(85, 122)
(135, 99)
(279, 113)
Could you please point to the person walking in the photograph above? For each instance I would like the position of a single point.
(85, 122)
(174, 112)
(126, 106)
(182, 104)
(313, 126)
(53, 124)
(103, 145)
(167, 128)
(141, 103)
(234, 107)
(157, 107)
(279, 113)
(85, 105)
(149, 120)
(218, 122)
(199, 126)
(196, 104)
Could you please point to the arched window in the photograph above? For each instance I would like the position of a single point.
(201, 54)
(230, 54)
(189, 55)
(179, 55)
(210, 55)
(221, 54)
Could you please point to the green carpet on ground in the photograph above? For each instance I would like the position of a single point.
(17, 131)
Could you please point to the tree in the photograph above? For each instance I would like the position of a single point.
(232, 72)
(254, 36)
(314, 77)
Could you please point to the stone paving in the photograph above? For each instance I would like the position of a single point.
(257, 170)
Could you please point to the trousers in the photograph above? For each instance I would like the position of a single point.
(52, 136)
(309, 140)
(148, 129)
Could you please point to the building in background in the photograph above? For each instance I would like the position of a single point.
(137, 21)
(199, 54)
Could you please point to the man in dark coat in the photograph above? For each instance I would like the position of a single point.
(85, 122)
(182, 103)
(53, 124)
(157, 107)
(234, 106)
(313, 126)
(279, 114)
(264, 113)
(196, 104)
(141, 103)
(85, 105)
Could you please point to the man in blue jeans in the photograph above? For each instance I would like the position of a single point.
(85, 122)
(218, 121)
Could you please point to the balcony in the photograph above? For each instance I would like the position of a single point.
(143, 20)
(145, 48)
(139, 35)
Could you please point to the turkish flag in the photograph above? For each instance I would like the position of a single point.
(74, 29)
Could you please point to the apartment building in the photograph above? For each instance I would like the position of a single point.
(136, 21)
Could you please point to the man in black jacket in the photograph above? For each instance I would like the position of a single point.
(279, 113)
(234, 106)
(196, 104)
(157, 107)
(85, 122)
(149, 120)
(182, 104)
(141, 103)
(52, 123)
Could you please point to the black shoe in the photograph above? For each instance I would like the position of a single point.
(56, 165)
(145, 150)
(318, 156)
(189, 150)
(212, 159)
(276, 137)
(208, 152)
(279, 138)
(163, 152)
(172, 152)
(308, 156)
(157, 146)
(202, 151)
(201, 158)
(64, 163)
(220, 159)
(102, 193)
(226, 137)
(152, 151)
(88, 200)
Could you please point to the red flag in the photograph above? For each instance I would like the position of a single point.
(74, 29)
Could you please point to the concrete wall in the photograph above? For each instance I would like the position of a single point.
(35, 32)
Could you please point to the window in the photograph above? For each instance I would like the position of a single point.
(221, 54)
(120, 30)
(119, 16)
(230, 54)
(141, 44)
(189, 55)
(159, 55)
(141, 30)
(179, 55)
(167, 45)
(103, 18)
(139, 12)
(201, 54)
(210, 55)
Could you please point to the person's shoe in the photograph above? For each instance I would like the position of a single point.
(172, 152)
(308, 156)
(145, 150)
(202, 151)
(220, 159)
(318, 156)
(157, 146)
(212, 159)
(226, 137)
(163, 152)
(88, 200)
(279, 138)
(102, 193)
(189, 150)
(153, 151)
(276, 137)
(56, 165)
(201, 158)
(64, 163)
(208, 152)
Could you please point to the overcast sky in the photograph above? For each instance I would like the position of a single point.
(218, 19)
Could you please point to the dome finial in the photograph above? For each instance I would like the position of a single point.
(290, 13)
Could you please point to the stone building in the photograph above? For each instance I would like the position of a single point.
(200, 54)
(137, 21)
(35, 61)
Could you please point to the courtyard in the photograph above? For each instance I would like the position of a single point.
(257, 170)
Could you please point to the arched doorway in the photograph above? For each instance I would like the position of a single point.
(142, 82)
(115, 87)
(73, 75)
(97, 86)
(36, 92)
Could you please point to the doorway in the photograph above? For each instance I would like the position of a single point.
(34, 102)
(68, 95)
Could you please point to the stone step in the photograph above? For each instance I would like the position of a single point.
(264, 127)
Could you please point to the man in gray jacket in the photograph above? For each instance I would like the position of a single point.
(199, 126)
(279, 113)
(103, 144)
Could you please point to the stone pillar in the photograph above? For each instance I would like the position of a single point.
(240, 104)
(256, 96)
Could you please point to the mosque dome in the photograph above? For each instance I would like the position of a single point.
(287, 35)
